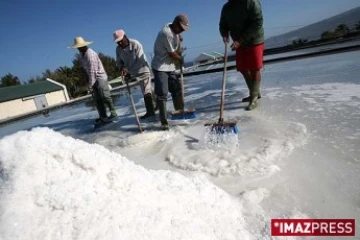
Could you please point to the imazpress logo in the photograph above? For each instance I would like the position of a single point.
(313, 227)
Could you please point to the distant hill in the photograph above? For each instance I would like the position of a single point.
(314, 31)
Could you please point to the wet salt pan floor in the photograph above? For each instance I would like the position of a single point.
(296, 156)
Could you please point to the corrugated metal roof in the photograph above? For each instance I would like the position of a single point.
(208, 56)
(204, 56)
(218, 55)
(27, 90)
(116, 80)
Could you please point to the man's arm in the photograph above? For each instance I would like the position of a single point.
(223, 26)
(139, 51)
(119, 62)
(179, 49)
(176, 57)
(140, 54)
(90, 67)
(255, 20)
(171, 51)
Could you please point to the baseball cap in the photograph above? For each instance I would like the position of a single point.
(118, 35)
(183, 20)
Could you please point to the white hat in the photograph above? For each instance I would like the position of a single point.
(79, 42)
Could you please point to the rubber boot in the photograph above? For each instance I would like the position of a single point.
(247, 99)
(110, 105)
(153, 95)
(163, 114)
(149, 107)
(254, 95)
(249, 83)
(102, 113)
(178, 102)
(101, 109)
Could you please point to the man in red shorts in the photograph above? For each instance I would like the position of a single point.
(243, 21)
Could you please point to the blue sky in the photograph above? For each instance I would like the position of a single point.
(35, 34)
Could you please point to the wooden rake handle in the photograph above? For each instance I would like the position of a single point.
(132, 103)
(222, 102)
(182, 86)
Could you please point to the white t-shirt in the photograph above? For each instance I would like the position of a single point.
(165, 43)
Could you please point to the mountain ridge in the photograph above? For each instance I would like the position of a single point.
(314, 31)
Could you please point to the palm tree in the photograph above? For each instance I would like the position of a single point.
(36, 79)
(48, 74)
(79, 71)
(109, 64)
(65, 70)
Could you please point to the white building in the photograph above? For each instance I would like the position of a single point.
(116, 82)
(208, 58)
(23, 99)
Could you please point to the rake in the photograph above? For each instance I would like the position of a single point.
(221, 127)
(132, 103)
(183, 114)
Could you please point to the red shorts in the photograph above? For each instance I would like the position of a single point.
(250, 58)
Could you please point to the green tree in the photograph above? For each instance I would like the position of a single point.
(342, 29)
(357, 26)
(80, 75)
(109, 64)
(330, 35)
(66, 76)
(9, 80)
(48, 74)
(36, 79)
(326, 35)
(299, 42)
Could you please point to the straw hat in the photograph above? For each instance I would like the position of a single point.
(79, 42)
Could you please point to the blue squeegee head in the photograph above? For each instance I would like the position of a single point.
(182, 116)
(225, 129)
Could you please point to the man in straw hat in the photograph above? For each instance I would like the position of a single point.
(97, 79)
(166, 56)
(243, 21)
(131, 59)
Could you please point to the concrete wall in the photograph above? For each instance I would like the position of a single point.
(18, 107)
(55, 98)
